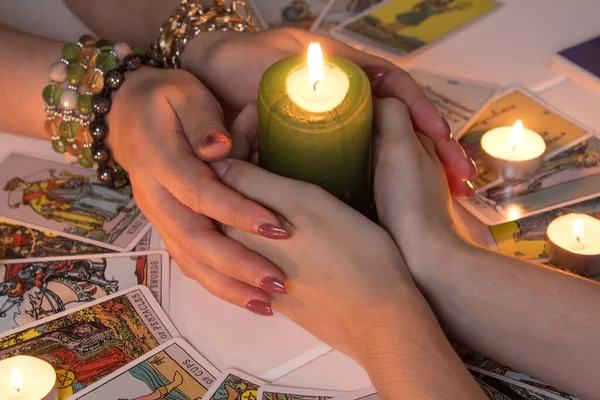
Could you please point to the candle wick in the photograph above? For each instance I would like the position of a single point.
(315, 85)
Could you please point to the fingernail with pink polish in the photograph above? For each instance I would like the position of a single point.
(474, 171)
(471, 191)
(449, 130)
(375, 72)
(273, 285)
(215, 145)
(259, 307)
(219, 167)
(273, 232)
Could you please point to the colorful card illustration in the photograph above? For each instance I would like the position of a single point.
(67, 200)
(526, 238)
(291, 13)
(497, 388)
(272, 392)
(93, 340)
(33, 289)
(20, 241)
(368, 393)
(457, 99)
(234, 385)
(569, 178)
(173, 370)
(560, 133)
(338, 11)
(403, 27)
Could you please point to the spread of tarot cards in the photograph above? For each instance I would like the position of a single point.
(84, 277)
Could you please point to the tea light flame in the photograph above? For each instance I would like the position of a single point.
(16, 382)
(516, 135)
(578, 232)
(315, 64)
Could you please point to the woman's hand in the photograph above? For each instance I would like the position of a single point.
(231, 65)
(340, 267)
(411, 193)
(162, 125)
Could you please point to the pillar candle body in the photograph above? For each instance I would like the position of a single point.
(331, 149)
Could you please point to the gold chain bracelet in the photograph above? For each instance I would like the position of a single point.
(191, 17)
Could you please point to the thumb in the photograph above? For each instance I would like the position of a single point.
(202, 121)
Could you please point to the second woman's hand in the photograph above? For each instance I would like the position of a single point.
(163, 126)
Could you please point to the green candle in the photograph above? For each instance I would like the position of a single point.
(315, 124)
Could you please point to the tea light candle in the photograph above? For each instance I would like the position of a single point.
(315, 124)
(573, 242)
(27, 378)
(513, 152)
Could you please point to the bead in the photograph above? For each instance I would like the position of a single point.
(98, 130)
(106, 61)
(83, 135)
(86, 159)
(138, 50)
(84, 104)
(70, 52)
(113, 79)
(58, 72)
(87, 40)
(104, 45)
(88, 56)
(151, 62)
(100, 154)
(59, 145)
(93, 80)
(122, 50)
(51, 127)
(105, 175)
(72, 148)
(68, 99)
(132, 62)
(68, 129)
(75, 74)
(51, 94)
(101, 104)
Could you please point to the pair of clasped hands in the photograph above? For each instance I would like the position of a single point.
(258, 240)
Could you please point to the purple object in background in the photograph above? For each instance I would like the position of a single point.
(586, 55)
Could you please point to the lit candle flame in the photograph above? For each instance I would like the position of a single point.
(16, 382)
(516, 135)
(315, 64)
(578, 232)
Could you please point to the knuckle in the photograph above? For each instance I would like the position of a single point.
(192, 197)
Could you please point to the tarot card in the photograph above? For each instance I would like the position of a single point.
(570, 177)
(32, 289)
(338, 11)
(20, 241)
(272, 392)
(68, 201)
(497, 389)
(480, 364)
(150, 241)
(403, 27)
(173, 370)
(560, 133)
(581, 63)
(293, 13)
(234, 385)
(457, 99)
(90, 341)
(526, 238)
(369, 393)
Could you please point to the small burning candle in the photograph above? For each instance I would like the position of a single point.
(573, 242)
(27, 378)
(315, 124)
(513, 152)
